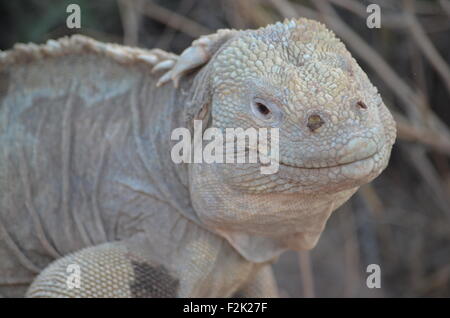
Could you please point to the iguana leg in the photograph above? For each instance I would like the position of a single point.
(263, 285)
(108, 270)
(201, 265)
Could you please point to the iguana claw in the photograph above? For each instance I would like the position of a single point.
(196, 55)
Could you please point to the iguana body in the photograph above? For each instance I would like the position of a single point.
(86, 176)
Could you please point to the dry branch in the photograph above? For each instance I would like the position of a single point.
(306, 274)
(174, 20)
(427, 47)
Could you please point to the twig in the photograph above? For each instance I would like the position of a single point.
(174, 20)
(285, 8)
(306, 274)
(431, 139)
(436, 280)
(392, 20)
(169, 33)
(252, 11)
(427, 47)
(130, 17)
(418, 158)
(350, 250)
(233, 14)
(445, 4)
(372, 199)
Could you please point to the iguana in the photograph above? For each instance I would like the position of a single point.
(87, 180)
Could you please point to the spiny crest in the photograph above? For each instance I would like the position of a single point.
(78, 45)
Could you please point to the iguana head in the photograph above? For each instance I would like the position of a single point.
(335, 134)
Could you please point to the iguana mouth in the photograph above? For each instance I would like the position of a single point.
(323, 168)
(281, 163)
(350, 157)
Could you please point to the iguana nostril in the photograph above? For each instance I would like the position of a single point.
(315, 122)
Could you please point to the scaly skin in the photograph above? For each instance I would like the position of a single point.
(302, 72)
(86, 174)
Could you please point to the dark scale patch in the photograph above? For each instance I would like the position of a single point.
(238, 294)
(4, 84)
(153, 282)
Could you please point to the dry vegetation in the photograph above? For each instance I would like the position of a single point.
(402, 220)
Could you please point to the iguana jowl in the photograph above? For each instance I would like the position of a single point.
(86, 176)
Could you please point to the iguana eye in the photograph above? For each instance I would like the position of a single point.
(266, 111)
(263, 110)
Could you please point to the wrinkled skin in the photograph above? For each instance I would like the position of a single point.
(86, 158)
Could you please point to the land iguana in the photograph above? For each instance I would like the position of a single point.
(87, 180)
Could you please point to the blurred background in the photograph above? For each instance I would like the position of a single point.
(401, 221)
